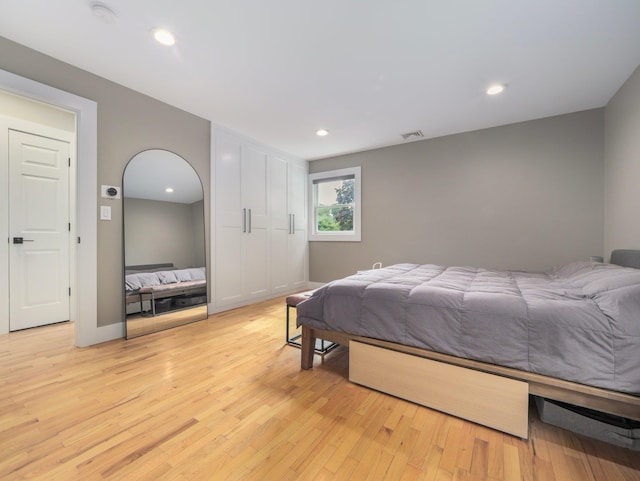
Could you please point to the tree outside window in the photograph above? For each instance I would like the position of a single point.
(336, 214)
(335, 209)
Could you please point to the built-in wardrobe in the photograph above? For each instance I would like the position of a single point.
(260, 221)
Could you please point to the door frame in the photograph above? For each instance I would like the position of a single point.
(84, 192)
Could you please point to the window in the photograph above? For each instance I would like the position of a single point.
(335, 205)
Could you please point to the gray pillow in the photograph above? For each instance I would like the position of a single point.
(183, 275)
(142, 279)
(167, 277)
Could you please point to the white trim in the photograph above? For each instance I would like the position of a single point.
(211, 271)
(355, 235)
(86, 291)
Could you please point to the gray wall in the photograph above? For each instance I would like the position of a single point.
(128, 122)
(521, 196)
(157, 232)
(622, 162)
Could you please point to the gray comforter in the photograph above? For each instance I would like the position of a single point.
(579, 322)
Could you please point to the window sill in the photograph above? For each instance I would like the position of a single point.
(334, 238)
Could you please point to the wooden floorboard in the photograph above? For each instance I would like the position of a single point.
(225, 399)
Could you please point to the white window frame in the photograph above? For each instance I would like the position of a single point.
(336, 236)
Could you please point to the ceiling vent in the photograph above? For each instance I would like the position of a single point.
(417, 134)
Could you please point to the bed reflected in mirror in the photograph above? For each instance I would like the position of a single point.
(164, 243)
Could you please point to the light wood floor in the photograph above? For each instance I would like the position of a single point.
(224, 399)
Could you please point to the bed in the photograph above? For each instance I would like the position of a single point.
(571, 334)
(154, 288)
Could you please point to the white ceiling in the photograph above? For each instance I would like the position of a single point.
(367, 70)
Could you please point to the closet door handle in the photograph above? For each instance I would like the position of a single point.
(244, 220)
(289, 223)
(249, 229)
(293, 223)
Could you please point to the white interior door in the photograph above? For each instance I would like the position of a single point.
(39, 230)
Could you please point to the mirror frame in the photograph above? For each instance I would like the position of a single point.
(157, 304)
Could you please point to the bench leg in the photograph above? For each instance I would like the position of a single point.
(286, 340)
(308, 347)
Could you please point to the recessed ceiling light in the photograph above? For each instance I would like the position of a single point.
(322, 132)
(169, 190)
(495, 89)
(165, 37)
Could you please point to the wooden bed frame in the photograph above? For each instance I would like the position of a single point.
(473, 388)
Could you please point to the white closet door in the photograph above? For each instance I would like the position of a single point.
(256, 269)
(228, 220)
(298, 246)
(280, 223)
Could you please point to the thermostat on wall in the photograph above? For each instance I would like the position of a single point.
(110, 192)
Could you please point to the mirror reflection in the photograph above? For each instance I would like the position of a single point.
(164, 243)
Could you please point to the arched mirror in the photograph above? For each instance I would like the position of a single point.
(164, 243)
